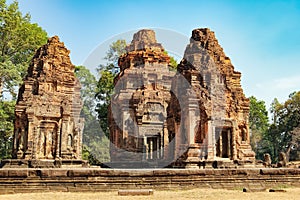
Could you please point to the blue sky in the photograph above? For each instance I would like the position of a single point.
(260, 37)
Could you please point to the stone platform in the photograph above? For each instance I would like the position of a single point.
(97, 179)
(46, 163)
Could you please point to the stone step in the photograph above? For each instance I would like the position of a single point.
(141, 192)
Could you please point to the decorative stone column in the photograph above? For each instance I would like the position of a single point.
(211, 147)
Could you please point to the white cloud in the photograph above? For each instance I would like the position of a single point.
(279, 88)
(287, 83)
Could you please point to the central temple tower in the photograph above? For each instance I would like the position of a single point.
(138, 110)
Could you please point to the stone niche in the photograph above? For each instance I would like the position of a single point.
(48, 127)
(195, 117)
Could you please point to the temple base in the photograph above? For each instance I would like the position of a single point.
(24, 163)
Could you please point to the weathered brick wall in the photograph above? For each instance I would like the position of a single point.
(92, 179)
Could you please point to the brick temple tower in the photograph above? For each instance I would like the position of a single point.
(48, 126)
(138, 110)
(214, 112)
(197, 116)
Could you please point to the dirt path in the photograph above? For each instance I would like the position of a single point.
(210, 194)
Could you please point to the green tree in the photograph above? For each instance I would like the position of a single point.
(105, 84)
(6, 127)
(258, 120)
(105, 89)
(95, 144)
(116, 49)
(19, 40)
(284, 132)
(275, 109)
(173, 63)
(88, 84)
(289, 122)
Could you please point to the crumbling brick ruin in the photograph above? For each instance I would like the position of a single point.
(212, 109)
(197, 117)
(48, 126)
(198, 114)
(138, 125)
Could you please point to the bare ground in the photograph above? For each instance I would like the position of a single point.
(211, 194)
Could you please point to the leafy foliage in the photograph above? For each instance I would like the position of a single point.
(173, 63)
(284, 132)
(19, 40)
(258, 119)
(6, 127)
(287, 124)
(105, 84)
(116, 49)
(95, 144)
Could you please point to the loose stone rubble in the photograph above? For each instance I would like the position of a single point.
(48, 127)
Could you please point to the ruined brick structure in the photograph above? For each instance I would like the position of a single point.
(138, 113)
(48, 124)
(212, 111)
(198, 114)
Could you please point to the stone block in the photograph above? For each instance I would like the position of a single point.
(16, 173)
(58, 173)
(258, 189)
(3, 173)
(143, 192)
(85, 172)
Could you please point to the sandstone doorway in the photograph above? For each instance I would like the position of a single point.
(47, 143)
(153, 148)
(224, 142)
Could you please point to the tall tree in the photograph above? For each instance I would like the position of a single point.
(258, 120)
(283, 134)
(19, 38)
(116, 49)
(88, 87)
(6, 127)
(105, 84)
(95, 144)
(289, 123)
